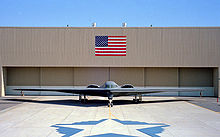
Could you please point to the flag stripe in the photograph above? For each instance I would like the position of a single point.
(117, 40)
(111, 47)
(117, 45)
(110, 43)
(117, 36)
(110, 51)
(110, 55)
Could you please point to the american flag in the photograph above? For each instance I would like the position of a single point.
(110, 45)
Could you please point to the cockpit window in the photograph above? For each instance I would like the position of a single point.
(113, 86)
(107, 86)
(110, 84)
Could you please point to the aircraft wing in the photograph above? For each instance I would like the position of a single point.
(148, 90)
(115, 91)
(162, 89)
(87, 91)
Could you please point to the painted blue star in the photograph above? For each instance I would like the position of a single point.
(109, 126)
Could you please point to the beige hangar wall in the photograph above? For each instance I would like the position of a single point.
(74, 47)
(61, 50)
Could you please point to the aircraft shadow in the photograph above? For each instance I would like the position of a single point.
(92, 102)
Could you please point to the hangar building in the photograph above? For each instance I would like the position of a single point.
(65, 57)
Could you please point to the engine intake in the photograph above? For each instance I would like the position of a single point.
(127, 86)
(93, 86)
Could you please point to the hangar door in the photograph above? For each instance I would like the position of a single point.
(131, 75)
(82, 76)
(161, 77)
(38, 77)
(181, 77)
(197, 77)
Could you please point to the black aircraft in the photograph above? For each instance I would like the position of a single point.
(110, 89)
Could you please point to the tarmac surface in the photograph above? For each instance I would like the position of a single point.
(65, 116)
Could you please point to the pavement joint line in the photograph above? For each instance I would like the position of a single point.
(10, 108)
(95, 118)
(61, 121)
(199, 106)
(205, 124)
(115, 116)
(13, 107)
(203, 107)
(51, 131)
(25, 118)
(110, 114)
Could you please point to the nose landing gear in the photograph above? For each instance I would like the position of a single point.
(110, 104)
(110, 98)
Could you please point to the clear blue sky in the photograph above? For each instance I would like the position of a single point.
(109, 13)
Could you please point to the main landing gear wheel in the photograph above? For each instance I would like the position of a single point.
(136, 100)
(110, 104)
(84, 100)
